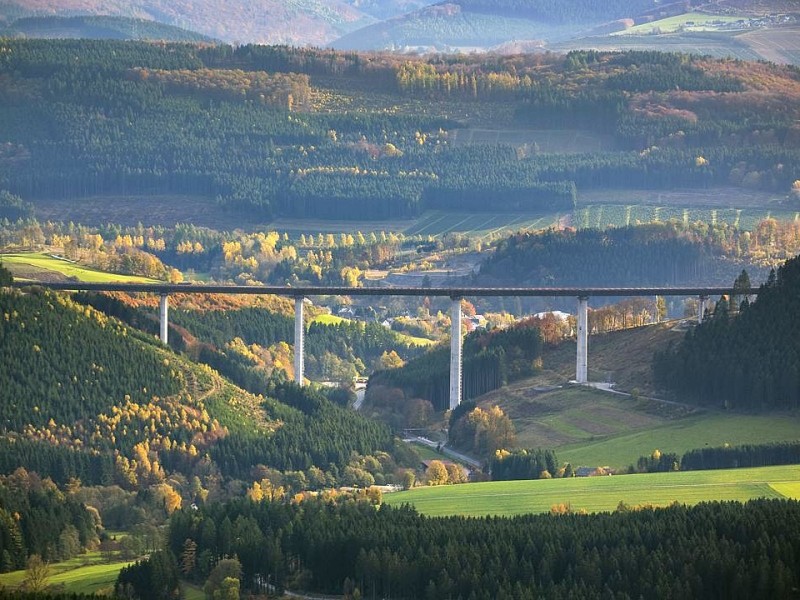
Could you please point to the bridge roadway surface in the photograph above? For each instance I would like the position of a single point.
(305, 291)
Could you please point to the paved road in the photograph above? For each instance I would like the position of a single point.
(460, 456)
(609, 387)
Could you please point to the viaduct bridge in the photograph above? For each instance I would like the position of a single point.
(455, 294)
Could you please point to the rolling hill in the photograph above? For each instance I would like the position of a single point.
(85, 396)
(100, 28)
(296, 22)
(478, 24)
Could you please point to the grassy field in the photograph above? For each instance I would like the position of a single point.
(596, 494)
(192, 592)
(84, 574)
(39, 265)
(695, 431)
(589, 427)
(687, 21)
(437, 223)
(428, 453)
(404, 338)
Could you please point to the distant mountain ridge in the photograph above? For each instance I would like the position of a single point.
(470, 24)
(503, 26)
(292, 22)
(100, 28)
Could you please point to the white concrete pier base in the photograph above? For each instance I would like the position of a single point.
(163, 316)
(455, 352)
(701, 309)
(299, 337)
(582, 359)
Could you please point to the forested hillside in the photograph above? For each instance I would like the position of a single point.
(37, 518)
(648, 255)
(252, 345)
(717, 550)
(746, 355)
(85, 396)
(264, 21)
(491, 360)
(268, 131)
(485, 23)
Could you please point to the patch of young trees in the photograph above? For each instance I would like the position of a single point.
(722, 457)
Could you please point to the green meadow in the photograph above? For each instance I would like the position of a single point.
(403, 338)
(710, 429)
(599, 494)
(691, 21)
(36, 265)
(85, 574)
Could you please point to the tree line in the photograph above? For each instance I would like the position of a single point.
(656, 254)
(745, 355)
(723, 457)
(712, 550)
(37, 518)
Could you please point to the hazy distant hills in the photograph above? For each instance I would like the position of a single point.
(735, 28)
(481, 24)
(294, 22)
(100, 28)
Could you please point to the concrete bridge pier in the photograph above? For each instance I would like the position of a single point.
(455, 352)
(299, 337)
(701, 309)
(582, 361)
(163, 318)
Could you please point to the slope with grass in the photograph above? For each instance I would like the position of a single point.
(88, 573)
(41, 266)
(589, 427)
(599, 494)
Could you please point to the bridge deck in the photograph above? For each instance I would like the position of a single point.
(452, 292)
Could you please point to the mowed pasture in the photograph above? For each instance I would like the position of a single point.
(87, 573)
(41, 266)
(404, 338)
(590, 427)
(689, 21)
(601, 494)
(438, 223)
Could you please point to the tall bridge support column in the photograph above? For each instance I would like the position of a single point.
(582, 362)
(163, 317)
(701, 309)
(455, 352)
(299, 338)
